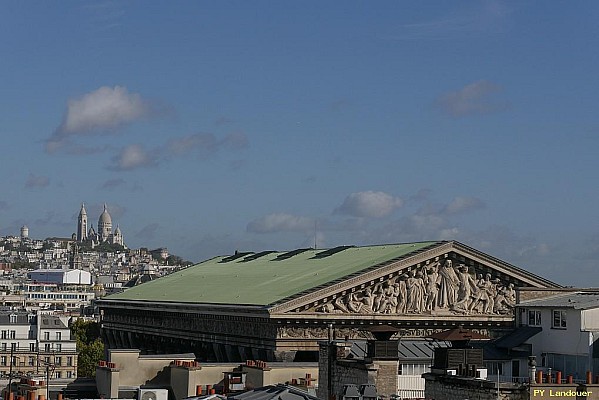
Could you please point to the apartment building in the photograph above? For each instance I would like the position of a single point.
(36, 341)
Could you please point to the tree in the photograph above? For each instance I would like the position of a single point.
(89, 356)
(89, 346)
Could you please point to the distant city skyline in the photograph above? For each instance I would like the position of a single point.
(210, 127)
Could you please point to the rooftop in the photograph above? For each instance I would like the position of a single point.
(580, 300)
(274, 392)
(266, 278)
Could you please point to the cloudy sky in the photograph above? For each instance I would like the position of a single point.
(210, 127)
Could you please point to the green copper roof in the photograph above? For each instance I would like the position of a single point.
(265, 279)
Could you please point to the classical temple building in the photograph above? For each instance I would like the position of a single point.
(278, 305)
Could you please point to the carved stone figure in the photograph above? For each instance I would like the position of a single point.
(467, 287)
(403, 294)
(483, 300)
(353, 304)
(415, 287)
(505, 299)
(448, 285)
(432, 288)
(393, 299)
(379, 297)
(367, 300)
(340, 305)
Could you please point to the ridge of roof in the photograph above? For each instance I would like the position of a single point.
(578, 300)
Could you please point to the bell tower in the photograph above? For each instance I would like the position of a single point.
(82, 224)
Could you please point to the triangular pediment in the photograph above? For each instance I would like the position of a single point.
(445, 280)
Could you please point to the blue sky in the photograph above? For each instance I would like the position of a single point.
(210, 127)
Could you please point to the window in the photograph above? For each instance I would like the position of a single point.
(3, 346)
(58, 347)
(58, 361)
(559, 319)
(47, 360)
(4, 334)
(13, 319)
(31, 361)
(46, 335)
(494, 367)
(534, 317)
(70, 361)
(32, 346)
(413, 369)
(58, 375)
(13, 334)
(58, 335)
(69, 374)
(47, 347)
(3, 360)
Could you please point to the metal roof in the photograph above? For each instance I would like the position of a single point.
(416, 350)
(582, 300)
(267, 279)
(274, 392)
(409, 350)
(517, 337)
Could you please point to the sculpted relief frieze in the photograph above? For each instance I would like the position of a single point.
(356, 333)
(439, 287)
(291, 332)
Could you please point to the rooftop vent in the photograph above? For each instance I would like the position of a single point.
(236, 256)
(290, 254)
(332, 251)
(257, 255)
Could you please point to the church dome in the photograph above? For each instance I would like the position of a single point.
(105, 217)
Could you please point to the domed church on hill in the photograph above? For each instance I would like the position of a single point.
(104, 233)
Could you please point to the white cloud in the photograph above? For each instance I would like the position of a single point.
(369, 204)
(474, 98)
(202, 145)
(104, 109)
(132, 157)
(280, 222)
